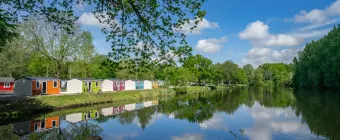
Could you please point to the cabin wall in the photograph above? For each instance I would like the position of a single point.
(49, 122)
(95, 88)
(147, 84)
(74, 86)
(74, 118)
(130, 85)
(147, 104)
(107, 86)
(51, 89)
(23, 87)
(36, 90)
(107, 111)
(116, 85)
(10, 89)
(155, 85)
(122, 85)
(130, 107)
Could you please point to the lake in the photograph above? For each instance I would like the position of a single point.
(254, 113)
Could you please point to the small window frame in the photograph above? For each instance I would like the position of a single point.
(36, 126)
(97, 84)
(55, 86)
(37, 84)
(54, 123)
(42, 124)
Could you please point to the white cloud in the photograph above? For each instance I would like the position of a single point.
(312, 34)
(89, 19)
(188, 137)
(210, 45)
(312, 16)
(268, 121)
(283, 40)
(258, 33)
(258, 56)
(218, 122)
(318, 16)
(334, 9)
(318, 25)
(255, 31)
(204, 24)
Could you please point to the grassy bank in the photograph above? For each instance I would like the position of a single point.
(65, 101)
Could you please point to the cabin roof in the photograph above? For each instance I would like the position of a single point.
(41, 78)
(113, 79)
(88, 79)
(6, 79)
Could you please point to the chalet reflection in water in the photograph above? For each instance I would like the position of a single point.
(40, 125)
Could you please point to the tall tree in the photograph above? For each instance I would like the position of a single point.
(55, 45)
(250, 72)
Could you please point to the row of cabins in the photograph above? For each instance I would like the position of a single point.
(28, 86)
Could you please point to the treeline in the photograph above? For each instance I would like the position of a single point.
(41, 50)
(318, 65)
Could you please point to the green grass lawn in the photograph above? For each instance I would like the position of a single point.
(93, 98)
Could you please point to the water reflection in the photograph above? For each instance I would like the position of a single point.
(244, 113)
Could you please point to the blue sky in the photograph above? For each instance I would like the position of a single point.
(247, 31)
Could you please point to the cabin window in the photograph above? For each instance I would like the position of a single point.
(54, 123)
(42, 124)
(96, 84)
(38, 84)
(55, 84)
(96, 115)
(123, 83)
(86, 84)
(35, 126)
(7, 85)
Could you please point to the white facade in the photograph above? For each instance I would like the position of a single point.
(130, 107)
(23, 87)
(147, 104)
(107, 85)
(74, 86)
(130, 85)
(73, 118)
(107, 111)
(147, 84)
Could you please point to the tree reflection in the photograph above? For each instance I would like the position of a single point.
(82, 130)
(126, 117)
(320, 111)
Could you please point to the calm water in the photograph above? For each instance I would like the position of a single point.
(245, 113)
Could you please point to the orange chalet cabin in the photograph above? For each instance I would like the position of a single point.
(6, 85)
(31, 86)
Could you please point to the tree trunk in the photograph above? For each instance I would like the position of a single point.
(59, 70)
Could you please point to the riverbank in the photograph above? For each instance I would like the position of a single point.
(10, 105)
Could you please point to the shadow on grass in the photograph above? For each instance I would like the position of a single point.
(20, 108)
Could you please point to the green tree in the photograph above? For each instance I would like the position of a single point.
(199, 66)
(55, 45)
(317, 65)
(250, 72)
